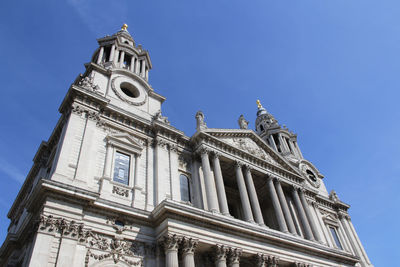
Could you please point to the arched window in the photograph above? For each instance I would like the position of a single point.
(185, 188)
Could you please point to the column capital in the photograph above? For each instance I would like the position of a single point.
(204, 151)
(295, 188)
(221, 252)
(272, 261)
(261, 260)
(189, 244)
(248, 167)
(216, 154)
(234, 255)
(238, 164)
(170, 242)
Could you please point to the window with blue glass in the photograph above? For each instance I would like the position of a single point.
(335, 237)
(185, 188)
(121, 168)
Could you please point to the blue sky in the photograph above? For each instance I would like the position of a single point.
(329, 70)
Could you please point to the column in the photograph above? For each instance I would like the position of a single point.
(248, 216)
(100, 56)
(219, 182)
(112, 53)
(253, 197)
(188, 247)
(234, 257)
(132, 67)
(285, 207)
(108, 162)
(220, 255)
(309, 216)
(272, 142)
(346, 233)
(147, 74)
(363, 254)
(116, 57)
(142, 69)
(121, 60)
(170, 244)
(277, 207)
(302, 215)
(211, 197)
(137, 66)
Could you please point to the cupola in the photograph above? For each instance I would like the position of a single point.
(119, 51)
(279, 138)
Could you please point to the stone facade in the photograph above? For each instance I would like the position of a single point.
(117, 185)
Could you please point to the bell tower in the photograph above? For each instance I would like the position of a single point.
(279, 138)
(119, 71)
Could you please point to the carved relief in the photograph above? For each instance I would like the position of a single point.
(87, 83)
(189, 244)
(263, 260)
(107, 247)
(159, 117)
(250, 147)
(234, 255)
(120, 191)
(221, 252)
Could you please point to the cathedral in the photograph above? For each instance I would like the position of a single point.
(117, 185)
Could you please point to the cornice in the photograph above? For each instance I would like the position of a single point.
(173, 210)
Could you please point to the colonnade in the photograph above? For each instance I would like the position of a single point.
(137, 65)
(217, 200)
(221, 255)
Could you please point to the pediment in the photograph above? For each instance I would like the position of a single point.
(249, 142)
(125, 141)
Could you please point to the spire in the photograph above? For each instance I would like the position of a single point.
(261, 110)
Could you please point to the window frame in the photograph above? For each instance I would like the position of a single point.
(123, 143)
(189, 179)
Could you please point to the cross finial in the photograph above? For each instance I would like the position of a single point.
(259, 104)
(124, 27)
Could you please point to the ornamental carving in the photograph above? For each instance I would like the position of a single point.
(263, 260)
(170, 242)
(159, 117)
(189, 244)
(120, 191)
(234, 255)
(86, 82)
(116, 249)
(100, 246)
(251, 147)
(62, 226)
(221, 252)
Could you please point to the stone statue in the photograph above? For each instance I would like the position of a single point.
(243, 124)
(200, 124)
(158, 116)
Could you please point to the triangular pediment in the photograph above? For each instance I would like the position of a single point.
(125, 141)
(249, 142)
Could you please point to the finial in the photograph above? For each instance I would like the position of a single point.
(259, 104)
(124, 27)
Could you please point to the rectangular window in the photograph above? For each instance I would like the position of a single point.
(335, 237)
(121, 168)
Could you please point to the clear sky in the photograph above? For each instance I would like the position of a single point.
(328, 69)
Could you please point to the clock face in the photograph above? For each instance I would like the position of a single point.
(129, 90)
(310, 174)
